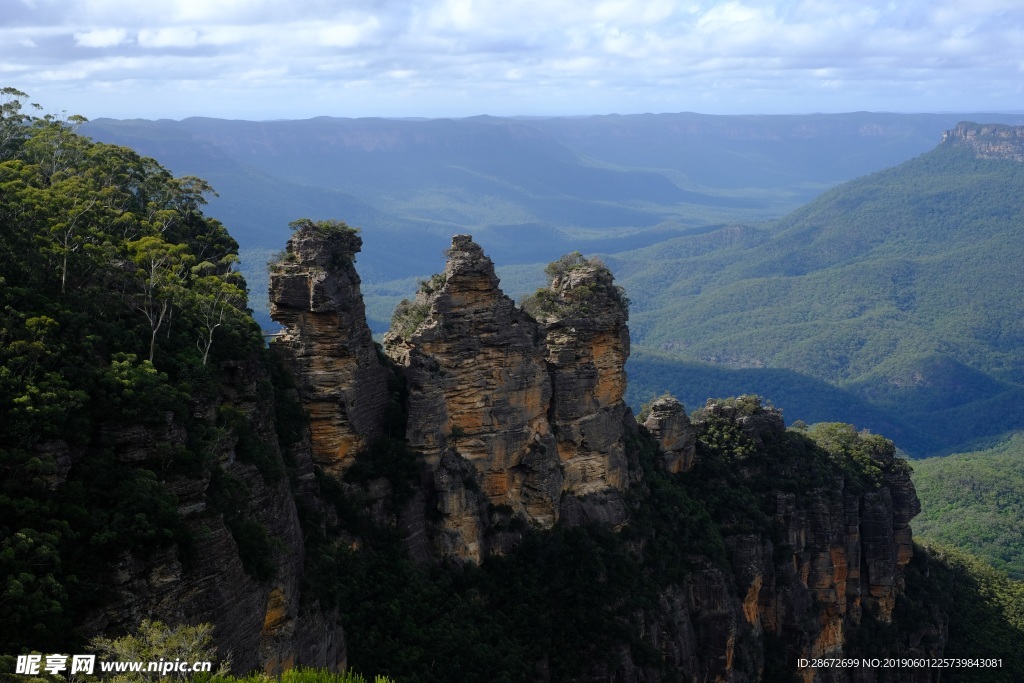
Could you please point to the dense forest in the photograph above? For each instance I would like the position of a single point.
(893, 289)
(975, 501)
(118, 300)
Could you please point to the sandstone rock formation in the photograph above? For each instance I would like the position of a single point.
(516, 419)
(839, 557)
(669, 425)
(988, 141)
(584, 315)
(479, 394)
(263, 623)
(326, 343)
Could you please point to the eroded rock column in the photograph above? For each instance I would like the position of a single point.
(326, 343)
(479, 393)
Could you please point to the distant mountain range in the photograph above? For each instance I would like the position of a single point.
(887, 302)
(527, 189)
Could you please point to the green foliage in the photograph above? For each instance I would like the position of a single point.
(986, 610)
(671, 518)
(296, 675)
(226, 495)
(975, 502)
(561, 300)
(249, 447)
(892, 287)
(118, 302)
(323, 227)
(434, 284)
(556, 270)
(568, 594)
(390, 459)
(408, 316)
(864, 457)
(156, 641)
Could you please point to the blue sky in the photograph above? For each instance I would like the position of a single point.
(267, 59)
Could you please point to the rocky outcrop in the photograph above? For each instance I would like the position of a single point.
(326, 342)
(479, 394)
(836, 559)
(516, 419)
(676, 437)
(583, 316)
(988, 141)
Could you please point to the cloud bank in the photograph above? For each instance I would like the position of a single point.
(259, 59)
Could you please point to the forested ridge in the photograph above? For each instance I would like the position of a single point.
(897, 289)
(118, 298)
(975, 501)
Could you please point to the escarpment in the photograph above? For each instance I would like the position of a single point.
(797, 542)
(814, 557)
(988, 141)
(243, 567)
(326, 342)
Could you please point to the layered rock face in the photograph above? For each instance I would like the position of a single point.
(327, 344)
(838, 556)
(989, 141)
(515, 419)
(584, 317)
(676, 437)
(262, 623)
(518, 417)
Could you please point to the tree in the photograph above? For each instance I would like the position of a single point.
(155, 641)
(161, 269)
(215, 298)
(13, 122)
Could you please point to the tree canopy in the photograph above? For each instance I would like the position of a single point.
(116, 294)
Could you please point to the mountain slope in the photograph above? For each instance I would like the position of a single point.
(897, 287)
(974, 501)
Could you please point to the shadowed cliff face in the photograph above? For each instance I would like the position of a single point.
(835, 559)
(263, 622)
(314, 294)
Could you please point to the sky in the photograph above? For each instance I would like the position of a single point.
(270, 59)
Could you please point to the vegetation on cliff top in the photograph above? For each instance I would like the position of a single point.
(561, 298)
(118, 300)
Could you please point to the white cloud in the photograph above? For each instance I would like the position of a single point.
(348, 35)
(168, 37)
(642, 53)
(103, 37)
